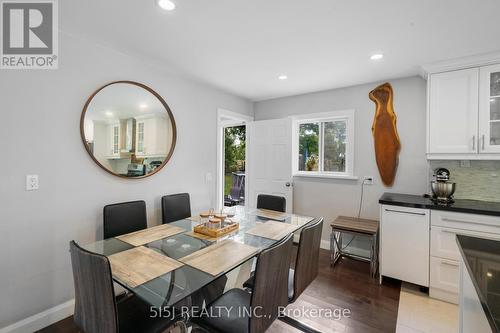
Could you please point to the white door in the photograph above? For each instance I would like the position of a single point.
(453, 112)
(489, 109)
(270, 160)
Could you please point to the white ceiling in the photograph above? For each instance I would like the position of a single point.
(242, 46)
(123, 101)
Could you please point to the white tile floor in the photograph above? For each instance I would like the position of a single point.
(418, 313)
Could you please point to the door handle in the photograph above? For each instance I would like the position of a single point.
(447, 219)
(449, 263)
(288, 184)
(403, 212)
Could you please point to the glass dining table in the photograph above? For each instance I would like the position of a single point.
(169, 289)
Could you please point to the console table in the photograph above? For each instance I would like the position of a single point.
(356, 227)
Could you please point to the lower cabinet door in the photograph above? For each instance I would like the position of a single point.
(445, 274)
(404, 244)
(444, 244)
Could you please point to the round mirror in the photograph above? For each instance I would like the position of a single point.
(128, 129)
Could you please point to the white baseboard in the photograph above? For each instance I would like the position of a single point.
(42, 319)
(325, 245)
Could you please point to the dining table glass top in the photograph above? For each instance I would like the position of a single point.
(167, 289)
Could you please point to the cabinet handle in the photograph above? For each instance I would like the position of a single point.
(448, 231)
(446, 219)
(473, 142)
(403, 212)
(449, 263)
(483, 141)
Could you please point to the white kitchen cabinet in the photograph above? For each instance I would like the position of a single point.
(443, 242)
(404, 244)
(489, 110)
(453, 112)
(153, 136)
(444, 253)
(444, 279)
(463, 111)
(113, 141)
(471, 316)
(140, 138)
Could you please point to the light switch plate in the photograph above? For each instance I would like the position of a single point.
(32, 182)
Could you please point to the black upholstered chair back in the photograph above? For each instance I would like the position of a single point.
(272, 202)
(271, 284)
(95, 307)
(306, 265)
(123, 218)
(175, 207)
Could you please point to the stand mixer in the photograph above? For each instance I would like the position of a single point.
(442, 188)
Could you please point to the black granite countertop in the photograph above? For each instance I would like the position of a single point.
(460, 205)
(482, 259)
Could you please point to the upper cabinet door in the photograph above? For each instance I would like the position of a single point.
(489, 110)
(453, 112)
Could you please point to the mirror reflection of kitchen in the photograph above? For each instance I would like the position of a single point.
(128, 130)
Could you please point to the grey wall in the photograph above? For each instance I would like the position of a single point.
(329, 197)
(40, 114)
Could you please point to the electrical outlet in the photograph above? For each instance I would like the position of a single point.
(368, 180)
(32, 182)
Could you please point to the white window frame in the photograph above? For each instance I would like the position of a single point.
(346, 115)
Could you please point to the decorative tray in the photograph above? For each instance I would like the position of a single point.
(215, 233)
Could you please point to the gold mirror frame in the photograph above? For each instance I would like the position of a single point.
(167, 109)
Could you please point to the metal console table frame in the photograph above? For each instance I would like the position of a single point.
(356, 227)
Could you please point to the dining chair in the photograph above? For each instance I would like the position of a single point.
(97, 311)
(175, 207)
(272, 202)
(306, 263)
(123, 218)
(255, 312)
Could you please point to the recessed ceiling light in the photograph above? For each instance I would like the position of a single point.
(108, 113)
(143, 106)
(282, 77)
(377, 56)
(166, 4)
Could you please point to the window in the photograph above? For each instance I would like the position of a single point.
(324, 145)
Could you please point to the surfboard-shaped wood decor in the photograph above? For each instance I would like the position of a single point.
(385, 133)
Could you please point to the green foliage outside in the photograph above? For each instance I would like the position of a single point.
(308, 146)
(234, 151)
(334, 146)
(227, 183)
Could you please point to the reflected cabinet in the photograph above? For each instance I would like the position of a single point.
(128, 129)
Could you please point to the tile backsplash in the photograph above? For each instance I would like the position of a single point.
(477, 180)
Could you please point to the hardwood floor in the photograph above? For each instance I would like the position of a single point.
(373, 308)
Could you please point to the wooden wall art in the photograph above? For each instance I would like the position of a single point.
(385, 133)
